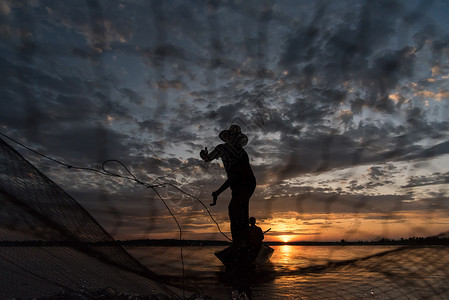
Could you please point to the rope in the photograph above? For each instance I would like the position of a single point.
(202, 203)
(180, 236)
(104, 171)
(132, 177)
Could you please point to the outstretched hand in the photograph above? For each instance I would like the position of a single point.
(204, 153)
(214, 196)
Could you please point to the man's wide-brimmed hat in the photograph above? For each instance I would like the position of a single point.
(234, 136)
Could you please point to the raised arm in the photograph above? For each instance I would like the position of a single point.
(215, 194)
(214, 154)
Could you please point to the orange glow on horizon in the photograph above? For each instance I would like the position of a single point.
(285, 238)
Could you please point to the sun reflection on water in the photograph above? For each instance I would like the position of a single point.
(285, 254)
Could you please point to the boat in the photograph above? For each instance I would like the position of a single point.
(232, 256)
(264, 255)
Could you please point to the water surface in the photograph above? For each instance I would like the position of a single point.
(293, 272)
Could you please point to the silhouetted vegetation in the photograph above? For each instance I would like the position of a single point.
(174, 242)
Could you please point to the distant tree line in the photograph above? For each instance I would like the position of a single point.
(174, 242)
(432, 240)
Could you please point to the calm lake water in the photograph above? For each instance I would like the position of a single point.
(294, 272)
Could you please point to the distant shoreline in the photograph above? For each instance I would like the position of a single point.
(174, 242)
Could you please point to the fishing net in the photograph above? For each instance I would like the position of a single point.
(403, 273)
(344, 104)
(50, 244)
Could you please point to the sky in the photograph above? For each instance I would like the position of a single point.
(345, 104)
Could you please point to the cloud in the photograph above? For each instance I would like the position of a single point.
(423, 153)
(438, 96)
(423, 180)
(317, 87)
(83, 144)
(156, 56)
(330, 151)
(133, 96)
(99, 26)
(151, 126)
(165, 84)
(317, 202)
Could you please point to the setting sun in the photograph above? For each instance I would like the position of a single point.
(285, 238)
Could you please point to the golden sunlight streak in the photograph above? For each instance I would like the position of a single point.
(285, 238)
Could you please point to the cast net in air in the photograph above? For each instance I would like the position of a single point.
(51, 245)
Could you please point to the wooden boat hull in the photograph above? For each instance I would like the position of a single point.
(231, 256)
(264, 255)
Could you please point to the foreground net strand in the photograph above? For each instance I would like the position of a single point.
(34, 209)
(409, 272)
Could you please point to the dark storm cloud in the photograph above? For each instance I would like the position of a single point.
(165, 84)
(319, 202)
(85, 143)
(433, 179)
(96, 24)
(132, 96)
(57, 103)
(225, 114)
(418, 153)
(157, 166)
(334, 54)
(151, 126)
(387, 70)
(331, 151)
(159, 54)
(436, 202)
(318, 48)
(178, 133)
(302, 45)
(306, 111)
(342, 52)
(357, 145)
(59, 99)
(376, 173)
(355, 186)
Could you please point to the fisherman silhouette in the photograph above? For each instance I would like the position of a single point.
(255, 234)
(241, 180)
